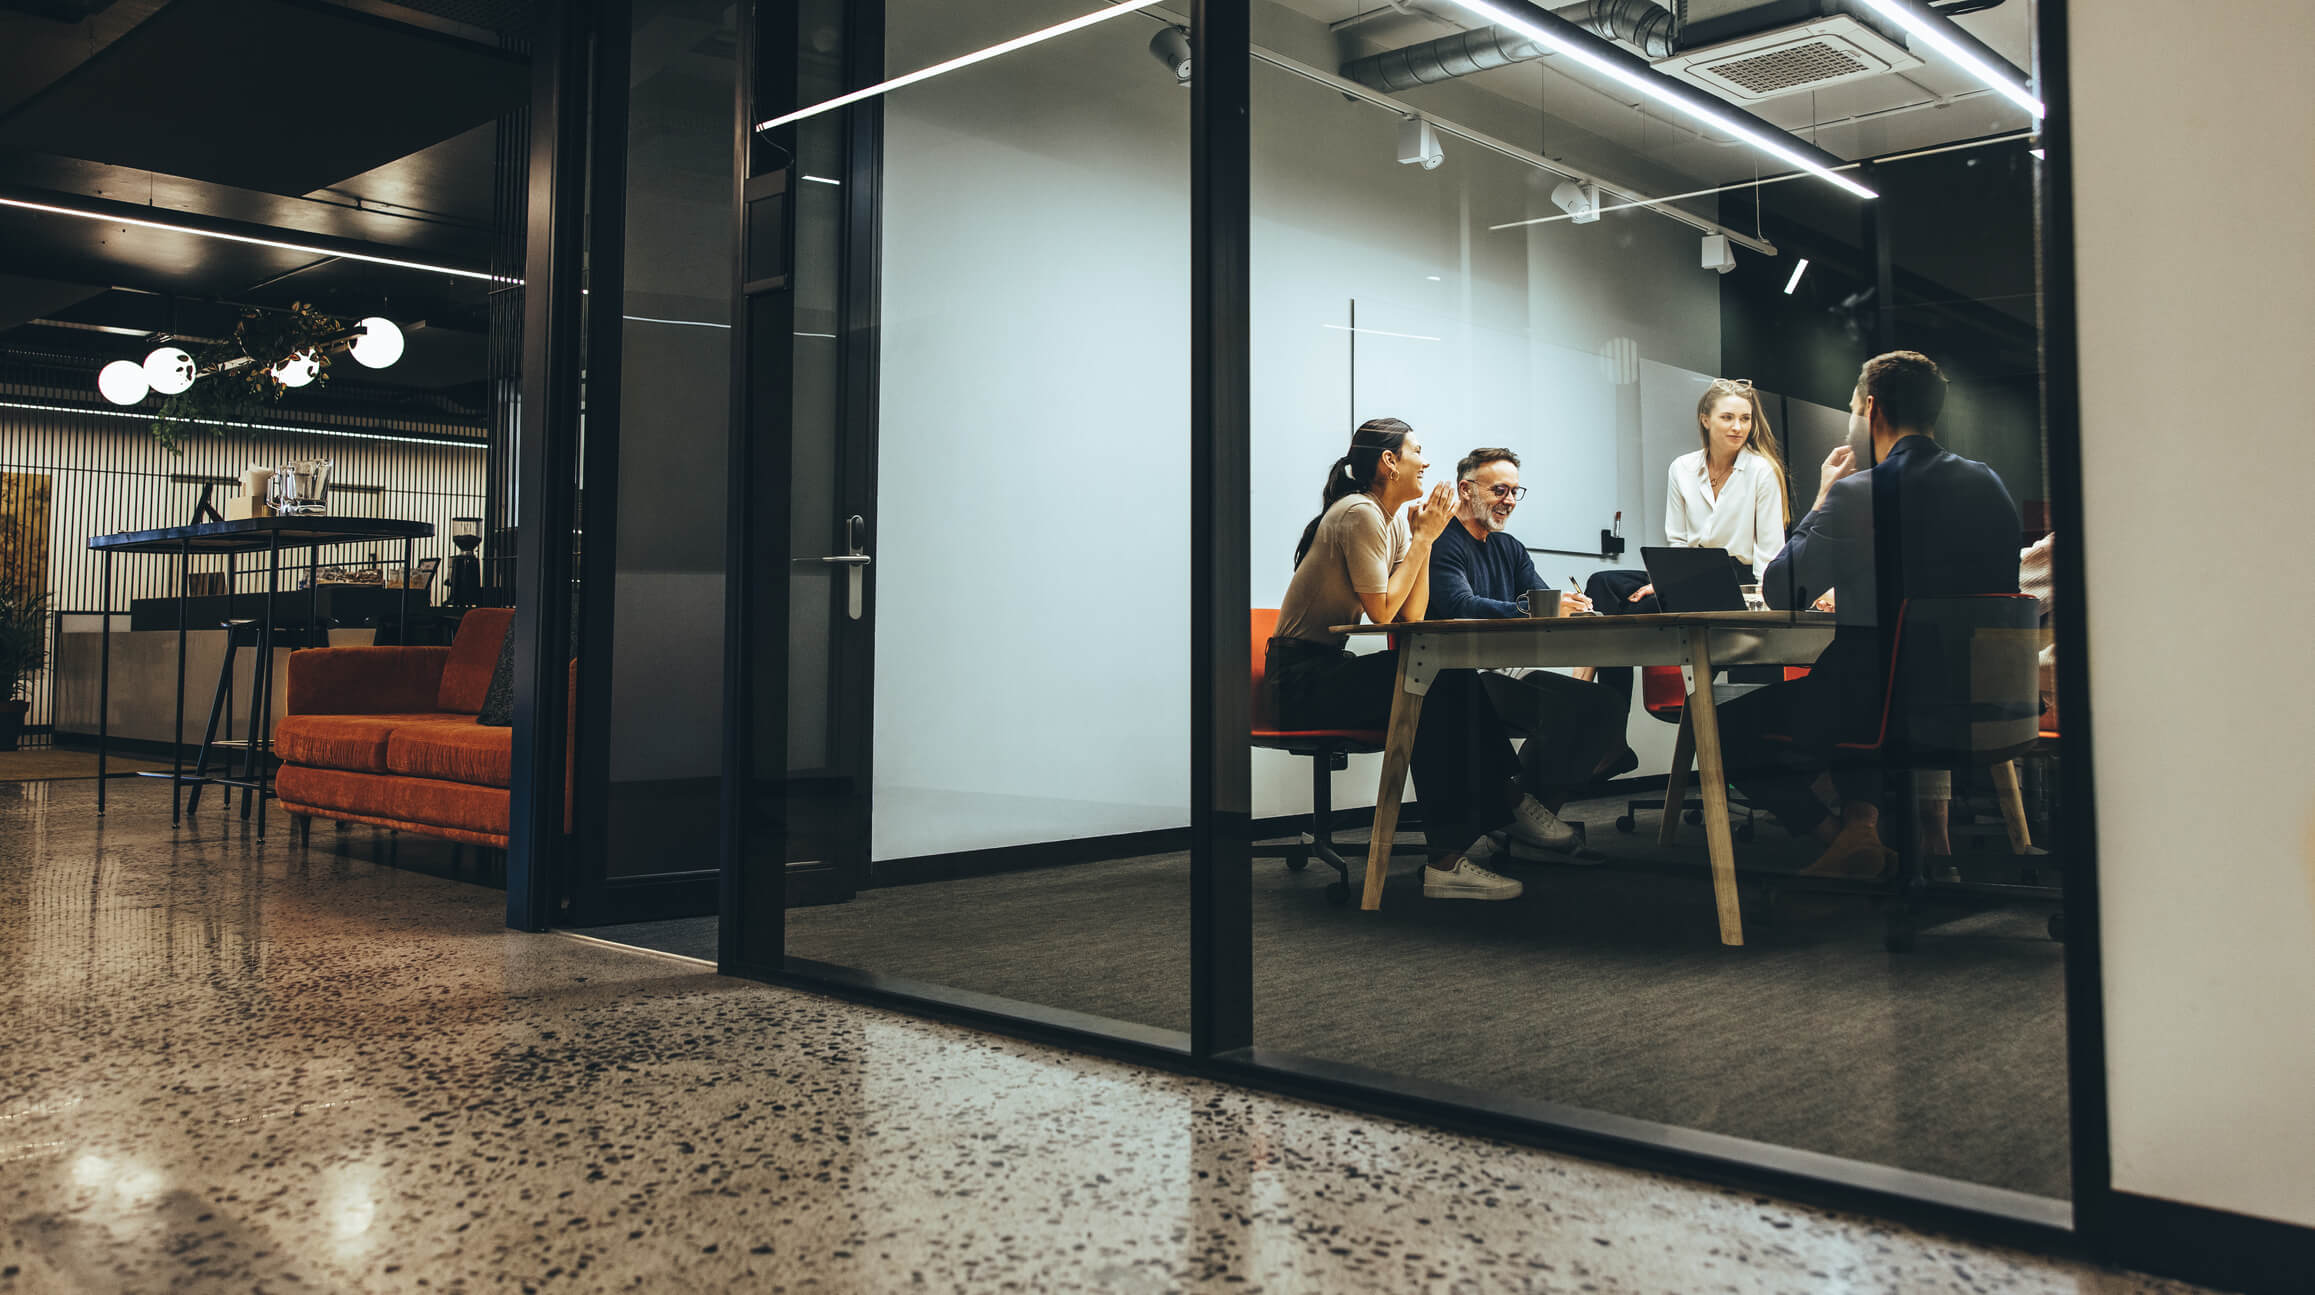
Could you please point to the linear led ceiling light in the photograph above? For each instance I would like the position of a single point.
(962, 60)
(307, 248)
(1555, 34)
(1937, 32)
(475, 443)
(1799, 269)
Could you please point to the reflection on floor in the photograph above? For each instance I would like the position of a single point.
(1600, 988)
(242, 1066)
(913, 821)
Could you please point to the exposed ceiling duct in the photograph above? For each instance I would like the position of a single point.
(1740, 50)
(1642, 24)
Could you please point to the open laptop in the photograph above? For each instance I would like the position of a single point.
(1693, 580)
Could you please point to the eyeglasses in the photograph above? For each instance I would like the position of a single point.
(1512, 493)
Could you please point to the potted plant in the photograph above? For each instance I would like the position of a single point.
(23, 651)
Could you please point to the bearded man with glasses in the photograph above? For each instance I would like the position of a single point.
(1574, 729)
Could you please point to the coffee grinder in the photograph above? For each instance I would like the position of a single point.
(465, 567)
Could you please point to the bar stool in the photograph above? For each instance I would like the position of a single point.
(290, 634)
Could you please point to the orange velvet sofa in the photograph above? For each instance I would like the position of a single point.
(387, 736)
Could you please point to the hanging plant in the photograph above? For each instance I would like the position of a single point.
(238, 378)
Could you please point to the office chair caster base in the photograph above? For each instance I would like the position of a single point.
(1338, 894)
(1626, 824)
(1693, 817)
(1298, 857)
(2058, 927)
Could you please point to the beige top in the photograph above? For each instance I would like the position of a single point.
(1355, 552)
(2034, 574)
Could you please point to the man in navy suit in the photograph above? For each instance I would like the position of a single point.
(1897, 516)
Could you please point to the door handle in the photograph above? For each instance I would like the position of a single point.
(855, 560)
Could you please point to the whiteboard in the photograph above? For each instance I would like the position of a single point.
(1463, 385)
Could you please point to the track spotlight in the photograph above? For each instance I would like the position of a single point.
(1580, 199)
(1718, 255)
(1171, 46)
(1419, 144)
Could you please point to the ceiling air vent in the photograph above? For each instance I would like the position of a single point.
(1787, 60)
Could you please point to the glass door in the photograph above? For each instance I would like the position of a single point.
(798, 790)
(649, 544)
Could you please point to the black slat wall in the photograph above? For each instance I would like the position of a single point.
(106, 474)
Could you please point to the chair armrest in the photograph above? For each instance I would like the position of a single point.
(365, 680)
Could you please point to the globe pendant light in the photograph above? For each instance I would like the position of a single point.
(297, 370)
(378, 345)
(123, 382)
(169, 370)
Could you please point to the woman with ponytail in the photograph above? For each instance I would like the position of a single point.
(1367, 555)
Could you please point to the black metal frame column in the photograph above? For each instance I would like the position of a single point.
(553, 357)
(751, 933)
(1221, 756)
(594, 603)
(2091, 1169)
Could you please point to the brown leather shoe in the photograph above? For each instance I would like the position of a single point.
(1857, 855)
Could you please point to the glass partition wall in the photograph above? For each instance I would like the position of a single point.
(986, 726)
(966, 690)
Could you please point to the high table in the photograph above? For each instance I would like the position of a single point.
(268, 535)
(1706, 641)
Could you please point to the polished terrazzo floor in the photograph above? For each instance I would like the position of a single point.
(237, 1067)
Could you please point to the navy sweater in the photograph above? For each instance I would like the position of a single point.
(1474, 581)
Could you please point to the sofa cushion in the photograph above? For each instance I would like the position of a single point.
(365, 680)
(339, 789)
(473, 655)
(421, 802)
(498, 700)
(453, 750)
(350, 742)
(451, 804)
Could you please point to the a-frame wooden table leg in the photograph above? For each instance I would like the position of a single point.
(1398, 748)
(1713, 776)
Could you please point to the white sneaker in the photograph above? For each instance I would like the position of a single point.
(1532, 824)
(1467, 880)
(1494, 851)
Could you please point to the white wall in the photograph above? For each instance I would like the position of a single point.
(1035, 397)
(2193, 179)
(1033, 541)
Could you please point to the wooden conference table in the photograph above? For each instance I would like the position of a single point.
(1706, 641)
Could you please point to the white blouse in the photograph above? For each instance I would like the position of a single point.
(1747, 518)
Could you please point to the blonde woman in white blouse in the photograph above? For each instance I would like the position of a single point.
(1730, 494)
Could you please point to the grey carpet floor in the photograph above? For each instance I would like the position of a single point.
(1603, 988)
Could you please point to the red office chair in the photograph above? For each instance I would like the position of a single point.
(1664, 694)
(1963, 691)
(1329, 749)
